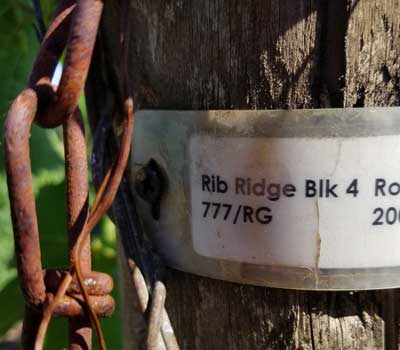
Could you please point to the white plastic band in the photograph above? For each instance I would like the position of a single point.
(299, 199)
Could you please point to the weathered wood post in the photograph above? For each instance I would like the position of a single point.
(229, 54)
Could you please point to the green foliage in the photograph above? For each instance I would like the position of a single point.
(11, 305)
(19, 46)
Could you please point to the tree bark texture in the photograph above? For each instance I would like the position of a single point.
(231, 54)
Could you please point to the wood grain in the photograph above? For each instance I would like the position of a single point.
(231, 54)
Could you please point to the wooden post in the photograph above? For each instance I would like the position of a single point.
(230, 54)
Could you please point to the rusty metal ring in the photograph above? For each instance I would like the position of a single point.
(53, 44)
(55, 107)
(71, 306)
(26, 234)
(23, 211)
(96, 283)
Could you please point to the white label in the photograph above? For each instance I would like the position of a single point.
(306, 202)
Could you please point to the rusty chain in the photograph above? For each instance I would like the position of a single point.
(77, 292)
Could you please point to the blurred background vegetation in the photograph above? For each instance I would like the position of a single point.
(18, 48)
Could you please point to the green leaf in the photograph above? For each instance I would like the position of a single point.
(11, 305)
(7, 270)
(51, 213)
